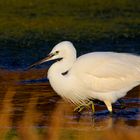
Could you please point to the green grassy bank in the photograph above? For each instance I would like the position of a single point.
(24, 20)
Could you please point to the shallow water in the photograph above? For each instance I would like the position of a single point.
(31, 110)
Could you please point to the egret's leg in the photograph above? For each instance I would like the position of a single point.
(109, 105)
(86, 105)
(92, 105)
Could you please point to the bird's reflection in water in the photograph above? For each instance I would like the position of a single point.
(98, 126)
(34, 112)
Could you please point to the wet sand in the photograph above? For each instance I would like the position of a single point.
(33, 111)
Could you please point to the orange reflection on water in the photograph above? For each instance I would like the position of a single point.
(35, 112)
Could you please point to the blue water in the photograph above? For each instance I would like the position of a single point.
(14, 57)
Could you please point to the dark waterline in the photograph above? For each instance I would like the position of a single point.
(19, 58)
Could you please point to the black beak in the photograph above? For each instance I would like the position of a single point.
(41, 61)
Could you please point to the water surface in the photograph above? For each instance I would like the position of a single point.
(31, 110)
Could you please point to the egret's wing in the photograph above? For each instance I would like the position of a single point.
(108, 71)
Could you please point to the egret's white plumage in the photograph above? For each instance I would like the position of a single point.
(106, 76)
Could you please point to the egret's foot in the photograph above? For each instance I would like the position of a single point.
(112, 113)
(83, 106)
(79, 108)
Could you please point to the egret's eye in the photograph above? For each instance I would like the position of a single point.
(57, 52)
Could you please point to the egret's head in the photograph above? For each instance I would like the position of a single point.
(60, 51)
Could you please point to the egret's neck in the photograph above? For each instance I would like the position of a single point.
(55, 73)
(61, 66)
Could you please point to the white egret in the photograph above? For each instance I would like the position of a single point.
(106, 76)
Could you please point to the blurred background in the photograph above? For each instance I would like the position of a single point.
(29, 108)
(30, 28)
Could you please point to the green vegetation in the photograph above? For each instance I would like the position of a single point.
(69, 19)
